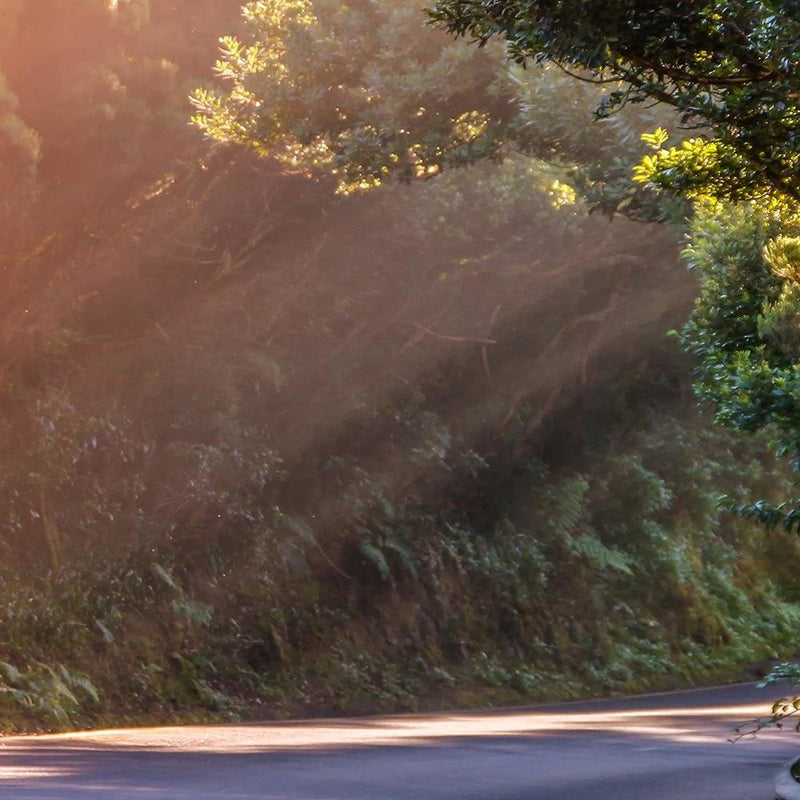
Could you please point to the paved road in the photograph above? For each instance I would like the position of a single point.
(661, 747)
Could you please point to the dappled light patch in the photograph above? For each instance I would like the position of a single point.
(28, 773)
(670, 721)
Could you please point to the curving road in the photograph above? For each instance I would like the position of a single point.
(657, 747)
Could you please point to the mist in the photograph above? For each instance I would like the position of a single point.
(268, 448)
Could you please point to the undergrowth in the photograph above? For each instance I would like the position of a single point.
(569, 592)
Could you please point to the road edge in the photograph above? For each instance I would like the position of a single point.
(786, 787)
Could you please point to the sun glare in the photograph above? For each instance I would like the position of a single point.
(712, 725)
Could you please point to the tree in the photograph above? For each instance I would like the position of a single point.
(396, 103)
(728, 68)
(19, 157)
(745, 330)
(367, 93)
(19, 144)
(731, 71)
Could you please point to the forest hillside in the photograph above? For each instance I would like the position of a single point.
(273, 445)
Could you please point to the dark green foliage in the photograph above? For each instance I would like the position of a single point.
(740, 333)
(44, 693)
(725, 67)
(660, 588)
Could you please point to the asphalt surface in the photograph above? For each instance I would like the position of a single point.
(658, 747)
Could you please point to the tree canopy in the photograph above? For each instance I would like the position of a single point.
(368, 93)
(730, 69)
